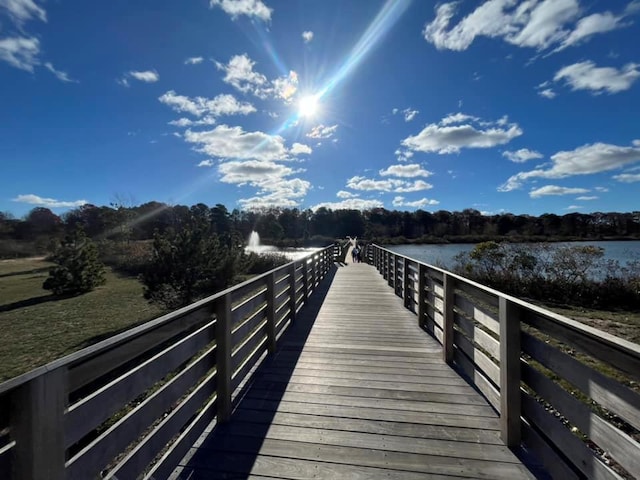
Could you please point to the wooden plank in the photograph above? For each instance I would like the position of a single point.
(248, 307)
(477, 313)
(373, 413)
(620, 446)
(242, 351)
(475, 291)
(95, 456)
(604, 390)
(6, 460)
(253, 358)
(167, 463)
(249, 325)
(37, 416)
(105, 361)
(482, 383)
(607, 348)
(479, 336)
(373, 426)
(571, 446)
(554, 464)
(479, 359)
(510, 408)
(447, 315)
(91, 411)
(331, 449)
(138, 459)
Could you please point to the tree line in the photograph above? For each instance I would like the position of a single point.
(294, 227)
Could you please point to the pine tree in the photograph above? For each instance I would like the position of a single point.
(78, 268)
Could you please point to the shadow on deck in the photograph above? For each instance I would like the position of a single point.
(356, 390)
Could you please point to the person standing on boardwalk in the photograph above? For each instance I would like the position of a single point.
(355, 254)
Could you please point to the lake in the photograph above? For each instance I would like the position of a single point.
(442, 255)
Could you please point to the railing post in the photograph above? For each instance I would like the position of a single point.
(37, 426)
(510, 407)
(292, 291)
(422, 271)
(448, 284)
(405, 282)
(223, 357)
(305, 280)
(271, 312)
(392, 265)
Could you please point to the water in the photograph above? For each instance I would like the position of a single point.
(442, 255)
(254, 245)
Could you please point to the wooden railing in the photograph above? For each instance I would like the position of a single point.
(566, 392)
(135, 403)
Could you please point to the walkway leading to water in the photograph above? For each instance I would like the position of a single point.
(359, 391)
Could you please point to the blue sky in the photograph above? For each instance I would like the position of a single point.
(502, 105)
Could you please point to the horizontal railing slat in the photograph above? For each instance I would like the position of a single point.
(248, 307)
(96, 456)
(623, 355)
(570, 445)
(146, 451)
(478, 314)
(607, 392)
(621, 447)
(479, 336)
(478, 358)
(90, 412)
(93, 368)
(478, 378)
(246, 327)
(552, 462)
(246, 347)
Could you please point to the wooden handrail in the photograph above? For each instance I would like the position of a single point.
(74, 417)
(515, 354)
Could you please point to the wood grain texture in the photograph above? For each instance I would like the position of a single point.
(357, 389)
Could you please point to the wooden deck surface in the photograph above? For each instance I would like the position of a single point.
(357, 391)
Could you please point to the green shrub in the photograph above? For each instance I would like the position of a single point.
(78, 269)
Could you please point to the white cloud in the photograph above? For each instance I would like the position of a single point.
(146, 76)
(20, 11)
(234, 143)
(403, 155)
(350, 204)
(255, 172)
(601, 189)
(322, 131)
(250, 8)
(446, 137)
(522, 155)
(457, 118)
(279, 192)
(193, 60)
(206, 163)
(20, 52)
(409, 171)
(627, 177)
(587, 76)
(408, 113)
(285, 87)
(530, 23)
(585, 198)
(423, 202)
(187, 122)
(388, 185)
(556, 190)
(307, 36)
(300, 149)
(547, 93)
(62, 76)
(223, 104)
(239, 73)
(47, 202)
(574, 207)
(584, 160)
(345, 194)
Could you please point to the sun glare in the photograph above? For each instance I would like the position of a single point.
(308, 106)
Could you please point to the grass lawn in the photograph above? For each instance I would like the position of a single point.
(38, 328)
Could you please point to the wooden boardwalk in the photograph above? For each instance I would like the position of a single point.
(356, 390)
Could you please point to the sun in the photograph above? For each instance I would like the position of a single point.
(308, 106)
